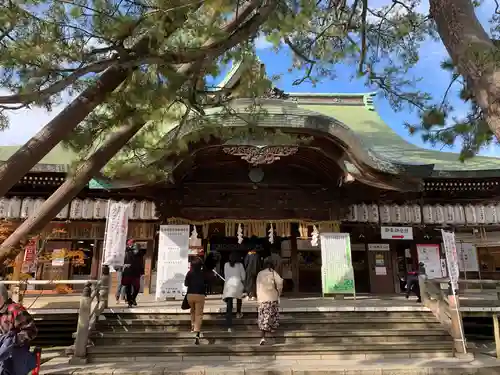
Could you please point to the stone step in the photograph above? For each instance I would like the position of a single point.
(154, 350)
(55, 329)
(283, 319)
(291, 340)
(146, 328)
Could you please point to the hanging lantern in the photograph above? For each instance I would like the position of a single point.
(427, 214)
(14, 211)
(88, 209)
(449, 213)
(480, 214)
(27, 207)
(63, 214)
(396, 216)
(353, 213)
(407, 214)
(239, 234)
(373, 214)
(4, 207)
(491, 214)
(363, 213)
(385, 214)
(271, 233)
(315, 236)
(153, 210)
(439, 217)
(417, 214)
(75, 209)
(134, 210)
(145, 212)
(459, 214)
(470, 214)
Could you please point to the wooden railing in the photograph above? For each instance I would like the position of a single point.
(436, 295)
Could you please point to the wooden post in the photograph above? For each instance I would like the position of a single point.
(82, 330)
(17, 290)
(457, 333)
(148, 267)
(294, 261)
(96, 260)
(496, 330)
(104, 287)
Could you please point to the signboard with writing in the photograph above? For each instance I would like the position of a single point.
(173, 254)
(337, 273)
(467, 259)
(58, 257)
(29, 263)
(450, 250)
(378, 247)
(430, 257)
(115, 240)
(396, 233)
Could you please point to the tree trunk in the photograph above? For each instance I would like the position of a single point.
(71, 187)
(65, 122)
(472, 52)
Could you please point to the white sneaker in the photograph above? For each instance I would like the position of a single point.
(229, 330)
(262, 342)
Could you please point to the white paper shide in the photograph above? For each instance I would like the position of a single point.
(173, 264)
(115, 241)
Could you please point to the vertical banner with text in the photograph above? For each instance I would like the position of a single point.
(450, 250)
(29, 261)
(173, 261)
(337, 273)
(115, 240)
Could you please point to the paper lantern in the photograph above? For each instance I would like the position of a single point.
(145, 211)
(491, 214)
(64, 213)
(88, 209)
(352, 215)
(459, 214)
(27, 207)
(373, 214)
(480, 214)
(470, 214)
(449, 213)
(439, 217)
(37, 204)
(417, 214)
(100, 209)
(4, 207)
(396, 215)
(75, 209)
(153, 210)
(385, 214)
(134, 211)
(14, 211)
(363, 213)
(427, 214)
(407, 213)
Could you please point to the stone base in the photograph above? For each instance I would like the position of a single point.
(77, 361)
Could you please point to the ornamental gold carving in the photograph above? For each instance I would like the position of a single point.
(256, 155)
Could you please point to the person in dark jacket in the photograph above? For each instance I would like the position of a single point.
(412, 285)
(252, 268)
(195, 282)
(133, 269)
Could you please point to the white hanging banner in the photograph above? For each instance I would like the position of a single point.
(173, 262)
(450, 250)
(115, 238)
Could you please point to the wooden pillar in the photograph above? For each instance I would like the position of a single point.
(457, 332)
(96, 260)
(294, 260)
(148, 267)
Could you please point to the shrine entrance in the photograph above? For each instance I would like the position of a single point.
(296, 172)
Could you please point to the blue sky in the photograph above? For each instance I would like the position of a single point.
(26, 123)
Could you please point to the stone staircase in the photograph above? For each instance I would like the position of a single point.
(55, 329)
(136, 335)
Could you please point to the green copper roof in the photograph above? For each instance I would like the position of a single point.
(378, 136)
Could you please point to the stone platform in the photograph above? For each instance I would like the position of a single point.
(481, 365)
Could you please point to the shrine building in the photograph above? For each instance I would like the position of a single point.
(349, 172)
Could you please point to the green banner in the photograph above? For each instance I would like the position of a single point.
(337, 274)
